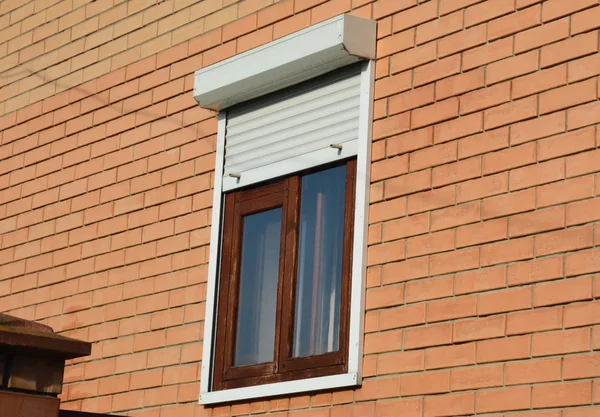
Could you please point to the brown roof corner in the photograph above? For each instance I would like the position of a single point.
(32, 360)
(23, 335)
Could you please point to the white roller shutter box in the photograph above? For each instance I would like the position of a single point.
(297, 128)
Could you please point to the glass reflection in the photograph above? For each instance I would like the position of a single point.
(259, 273)
(319, 274)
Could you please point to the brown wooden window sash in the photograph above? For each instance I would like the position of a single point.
(285, 195)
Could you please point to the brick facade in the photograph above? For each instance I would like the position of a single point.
(484, 217)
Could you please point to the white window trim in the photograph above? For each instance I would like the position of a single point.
(358, 280)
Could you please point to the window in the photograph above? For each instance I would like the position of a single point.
(285, 279)
(286, 276)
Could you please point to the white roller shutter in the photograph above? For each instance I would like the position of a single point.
(293, 129)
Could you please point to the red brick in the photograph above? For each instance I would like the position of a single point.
(438, 112)
(537, 174)
(384, 297)
(481, 233)
(436, 70)
(428, 289)
(411, 99)
(572, 142)
(503, 205)
(584, 68)
(378, 388)
(431, 243)
(503, 399)
(406, 270)
(484, 187)
(537, 128)
(387, 210)
(534, 321)
(539, 81)
(569, 49)
(504, 301)
(477, 377)
(458, 128)
(542, 35)
(581, 366)
(487, 53)
(275, 13)
(511, 112)
(430, 200)
(537, 221)
(439, 28)
(484, 98)
(456, 216)
(582, 412)
(479, 328)
(386, 252)
(512, 67)
(391, 126)
(460, 260)
(535, 271)
(419, 337)
(127, 401)
(462, 40)
(564, 241)
(462, 83)
(450, 356)
(565, 191)
(409, 407)
(513, 23)
(393, 85)
(555, 8)
(388, 7)
(354, 410)
(389, 168)
(569, 96)
(382, 69)
(562, 394)
(586, 20)
(510, 158)
(581, 314)
(383, 342)
(583, 115)
(450, 404)
(395, 43)
(425, 383)
(401, 362)
(405, 227)
(432, 156)
(453, 308)
(503, 349)
(410, 141)
(481, 280)
(536, 371)
(413, 57)
(583, 163)
(583, 212)
(508, 251)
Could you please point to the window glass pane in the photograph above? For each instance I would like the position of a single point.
(259, 273)
(319, 274)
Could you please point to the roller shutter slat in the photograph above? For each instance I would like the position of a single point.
(294, 125)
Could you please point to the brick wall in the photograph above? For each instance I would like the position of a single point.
(484, 218)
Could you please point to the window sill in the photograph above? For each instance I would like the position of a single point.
(280, 388)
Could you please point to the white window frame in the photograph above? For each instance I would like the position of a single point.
(353, 377)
